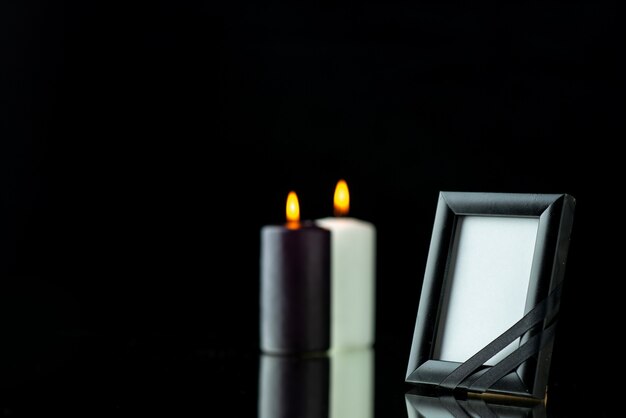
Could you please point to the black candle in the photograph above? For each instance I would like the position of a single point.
(295, 285)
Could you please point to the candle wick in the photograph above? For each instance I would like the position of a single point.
(293, 224)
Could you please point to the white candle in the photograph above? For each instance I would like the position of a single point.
(353, 275)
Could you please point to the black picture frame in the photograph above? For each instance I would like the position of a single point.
(529, 378)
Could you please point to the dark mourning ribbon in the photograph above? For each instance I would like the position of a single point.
(543, 312)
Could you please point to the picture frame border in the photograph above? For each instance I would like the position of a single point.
(555, 213)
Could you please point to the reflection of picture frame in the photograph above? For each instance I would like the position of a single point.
(420, 406)
(486, 316)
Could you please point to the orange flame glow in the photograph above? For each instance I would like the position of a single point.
(342, 198)
(293, 208)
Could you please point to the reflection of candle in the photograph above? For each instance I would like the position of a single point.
(352, 275)
(295, 285)
(303, 387)
(292, 387)
(352, 383)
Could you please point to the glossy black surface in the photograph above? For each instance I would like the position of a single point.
(175, 377)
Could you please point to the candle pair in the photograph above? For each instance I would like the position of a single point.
(318, 281)
(340, 385)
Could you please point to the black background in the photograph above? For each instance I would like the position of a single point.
(144, 145)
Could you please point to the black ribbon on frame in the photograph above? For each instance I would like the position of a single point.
(544, 313)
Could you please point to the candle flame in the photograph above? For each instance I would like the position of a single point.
(293, 208)
(342, 198)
